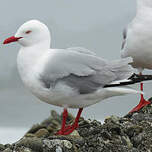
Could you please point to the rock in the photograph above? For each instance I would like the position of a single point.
(35, 128)
(2, 147)
(29, 135)
(131, 133)
(61, 143)
(42, 133)
(7, 150)
(126, 141)
(133, 130)
(33, 143)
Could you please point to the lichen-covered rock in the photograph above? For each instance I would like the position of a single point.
(42, 133)
(2, 147)
(131, 133)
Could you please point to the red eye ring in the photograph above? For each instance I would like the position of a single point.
(27, 32)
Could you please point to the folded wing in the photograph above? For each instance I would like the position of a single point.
(83, 71)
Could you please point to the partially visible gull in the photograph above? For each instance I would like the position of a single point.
(137, 42)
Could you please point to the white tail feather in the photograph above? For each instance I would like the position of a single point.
(123, 91)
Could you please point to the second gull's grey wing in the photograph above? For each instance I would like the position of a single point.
(124, 38)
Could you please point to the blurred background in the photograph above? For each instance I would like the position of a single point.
(96, 25)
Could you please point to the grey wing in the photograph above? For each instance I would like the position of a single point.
(82, 84)
(126, 35)
(82, 72)
(124, 38)
(90, 83)
(63, 62)
(81, 50)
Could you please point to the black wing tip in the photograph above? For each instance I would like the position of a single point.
(135, 78)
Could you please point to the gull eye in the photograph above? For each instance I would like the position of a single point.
(28, 32)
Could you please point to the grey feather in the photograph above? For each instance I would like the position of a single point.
(124, 38)
(83, 85)
(121, 68)
(64, 62)
(83, 72)
(125, 33)
(81, 50)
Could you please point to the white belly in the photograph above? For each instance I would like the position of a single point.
(142, 58)
(64, 96)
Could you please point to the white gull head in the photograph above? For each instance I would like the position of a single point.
(31, 33)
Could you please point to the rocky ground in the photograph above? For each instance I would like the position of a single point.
(131, 133)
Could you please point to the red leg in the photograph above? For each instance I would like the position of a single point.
(65, 130)
(65, 114)
(75, 125)
(142, 102)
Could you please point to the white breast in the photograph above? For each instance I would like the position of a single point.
(139, 43)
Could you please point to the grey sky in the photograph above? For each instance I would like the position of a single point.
(94, 24)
